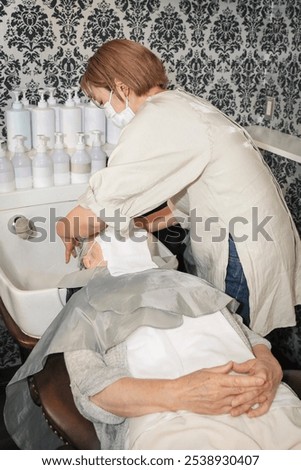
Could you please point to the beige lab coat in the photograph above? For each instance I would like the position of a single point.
(180, 148)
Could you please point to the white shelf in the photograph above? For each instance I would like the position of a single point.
(34, 197)
(285, 145)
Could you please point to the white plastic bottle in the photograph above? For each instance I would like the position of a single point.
(52, 103)
(7, 175)
(94, 120)
(22, 165)
(98, 156)
(42, 166)
(80, 162)
(43, 122)
(70, 121)
(80, 103)
(25, 100)
(112, 133)
(18, 122)
(61, 162)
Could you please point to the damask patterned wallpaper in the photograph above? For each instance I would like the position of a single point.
(234, 53)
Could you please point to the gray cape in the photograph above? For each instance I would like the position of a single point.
(98, 317)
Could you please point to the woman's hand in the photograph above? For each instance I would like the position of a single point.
(94, 256)
(70, 248)
(69, 242)
(78, 223)
(212, 391)
(269, 370)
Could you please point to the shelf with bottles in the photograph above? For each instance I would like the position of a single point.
(34, 177)
(75, 115)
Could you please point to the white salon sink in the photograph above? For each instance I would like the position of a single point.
(30, 271)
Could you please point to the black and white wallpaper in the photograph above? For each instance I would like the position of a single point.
(232, 52)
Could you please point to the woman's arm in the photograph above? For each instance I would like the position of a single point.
(78, 223)
(105, 393)
(81, 222)
(156, 220)
(207, 391)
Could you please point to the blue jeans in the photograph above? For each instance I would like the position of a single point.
(236, 283)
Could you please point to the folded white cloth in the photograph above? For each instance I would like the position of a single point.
(128, 254)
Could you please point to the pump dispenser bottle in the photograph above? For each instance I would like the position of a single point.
(98, 156)
(42, 166)
(7, 175)
(22, 165)
(94, 120)
(70, 121)
(43, 122)
(17, 123)
(52, 103)
(61, 162)
(80, 103)
(76, 97)
(80, 162)
(25, 100)
(113, 133)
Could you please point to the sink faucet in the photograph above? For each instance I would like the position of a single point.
(23, 227)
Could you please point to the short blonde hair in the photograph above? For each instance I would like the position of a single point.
(128, 61)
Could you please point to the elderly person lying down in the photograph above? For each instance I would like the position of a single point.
(157, 361)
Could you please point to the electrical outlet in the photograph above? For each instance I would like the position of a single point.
(269, 107)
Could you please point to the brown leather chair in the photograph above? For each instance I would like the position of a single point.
(50, 389)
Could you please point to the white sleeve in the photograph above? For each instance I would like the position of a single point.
(253, 337)
(158, 155)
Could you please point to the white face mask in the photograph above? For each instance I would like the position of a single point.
(119, 119)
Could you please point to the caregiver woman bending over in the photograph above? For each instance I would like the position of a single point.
(177, 147)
